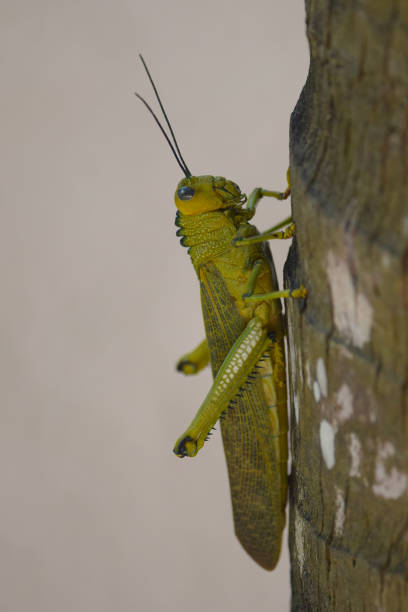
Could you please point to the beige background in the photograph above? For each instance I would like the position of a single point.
(99, 299)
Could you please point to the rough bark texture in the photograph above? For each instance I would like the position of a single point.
(349, 340)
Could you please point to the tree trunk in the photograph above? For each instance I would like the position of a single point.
(348, 342)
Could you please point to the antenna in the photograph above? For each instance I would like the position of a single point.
(176, 150)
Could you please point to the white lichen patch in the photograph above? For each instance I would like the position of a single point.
(344, 402)
(389, 483)
(308, 375)
(316, 391)
(353, 313)
(354, 447)
(299, 367)
(296, 405)
(321, 376)
(340, 516)
(345, 352)
(299, 540)
(372, 415)
(327, 436)
(386, 260)
(292, 354)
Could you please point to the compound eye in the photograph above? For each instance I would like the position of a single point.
(185, 193)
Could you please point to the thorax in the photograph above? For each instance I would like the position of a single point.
(223, 268)
(209, 236)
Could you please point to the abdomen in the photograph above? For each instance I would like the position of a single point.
(254, 430)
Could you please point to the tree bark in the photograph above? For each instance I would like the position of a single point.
(348, 342)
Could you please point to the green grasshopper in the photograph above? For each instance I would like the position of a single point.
(244, 344)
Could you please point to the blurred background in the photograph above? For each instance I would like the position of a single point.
(99, 299)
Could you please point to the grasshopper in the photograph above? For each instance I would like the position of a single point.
(244, 344)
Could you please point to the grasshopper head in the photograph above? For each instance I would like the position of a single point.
(195, 194)
(199, 194)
